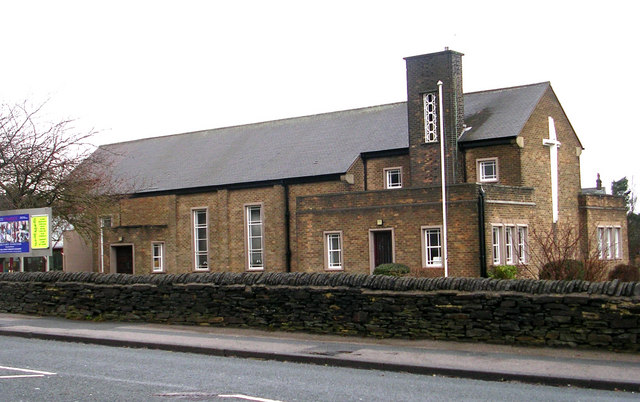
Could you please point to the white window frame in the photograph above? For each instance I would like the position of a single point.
(481, 173)
(106, 221)
(428, 261)
(387, 177)
(330, 264)
(197, 252)
(430, 108)
(496, 244)
(509, 249)
(522, 232)
(609, 245)
(509, 244)
(157, 245)
(249, 224)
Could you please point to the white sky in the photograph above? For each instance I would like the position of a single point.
(134, 69)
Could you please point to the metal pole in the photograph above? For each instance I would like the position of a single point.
(444, 186)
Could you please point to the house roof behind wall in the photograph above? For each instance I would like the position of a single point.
(302, 147)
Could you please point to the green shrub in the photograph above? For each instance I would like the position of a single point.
(504, 272)
(565, 270)
(391, 269)
(625, 273)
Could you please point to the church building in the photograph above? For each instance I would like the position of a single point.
(349, 190)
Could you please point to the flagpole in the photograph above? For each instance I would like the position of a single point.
(444, 186)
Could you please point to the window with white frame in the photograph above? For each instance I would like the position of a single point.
(432, 246)
(487, 170)
(609, 246)
(393, 178)
(105, 222)
(200, 239)
(333, 250)
(157, 252)
(522, 244)
(509, 244)
(430, 101)
(254, 237)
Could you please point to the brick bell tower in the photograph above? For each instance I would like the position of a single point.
(423, 109)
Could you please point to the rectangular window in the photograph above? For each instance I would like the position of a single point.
(254, 237)
(200, 239)
(430, 102)
(496, 235)
(158, 256)
(522, 244)
(333, 250)
(508, 245)
(609, 246)
(432, 246)
(105, 222)
(487, 170)
(393, 178)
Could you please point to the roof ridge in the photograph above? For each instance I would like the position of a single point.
(513, 87)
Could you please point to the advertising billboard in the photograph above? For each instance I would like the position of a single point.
(25, 233)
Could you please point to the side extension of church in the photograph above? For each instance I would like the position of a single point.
(349, 190)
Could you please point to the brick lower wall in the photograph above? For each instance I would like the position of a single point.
(524, 312)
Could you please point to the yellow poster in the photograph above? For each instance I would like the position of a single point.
(39, 231)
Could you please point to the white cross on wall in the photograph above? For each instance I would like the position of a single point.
(553, 144)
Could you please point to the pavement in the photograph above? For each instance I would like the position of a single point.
(539, 365)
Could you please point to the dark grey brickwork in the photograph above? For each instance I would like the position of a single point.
(525, 312)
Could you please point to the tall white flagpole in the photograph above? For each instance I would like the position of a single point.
(444, 186)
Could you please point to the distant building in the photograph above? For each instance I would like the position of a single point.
(349, 190)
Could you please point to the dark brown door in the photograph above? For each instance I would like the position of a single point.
(124, 259)
(382, 247)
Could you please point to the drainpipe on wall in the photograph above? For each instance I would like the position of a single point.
(481, 236)
(444, 186)
(287, 227)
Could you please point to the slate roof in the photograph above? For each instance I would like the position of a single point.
(301, 147)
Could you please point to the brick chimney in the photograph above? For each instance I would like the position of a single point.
(423, 74)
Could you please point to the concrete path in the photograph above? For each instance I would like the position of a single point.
(583, 368)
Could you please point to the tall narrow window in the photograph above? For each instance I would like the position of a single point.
(495, 241)
(432, 246)
(254, 238)
(393, 178)
(609, 246)
(508, 244)
(158, 256)
(200, 239)
(522, 244)
(430, 101)
(333, 250)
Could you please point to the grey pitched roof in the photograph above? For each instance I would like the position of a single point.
(292, 148)
(301, 147)
(500, 113)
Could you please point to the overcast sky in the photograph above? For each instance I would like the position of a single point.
(135, 69)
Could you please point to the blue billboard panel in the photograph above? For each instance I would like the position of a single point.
(14, 234)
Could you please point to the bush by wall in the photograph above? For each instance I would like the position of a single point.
(392, 269)
(526, 312)
(623, 272)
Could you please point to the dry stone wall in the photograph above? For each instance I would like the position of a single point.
(525, 312)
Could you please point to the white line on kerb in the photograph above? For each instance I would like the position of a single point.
(247, 398)
(3, 377)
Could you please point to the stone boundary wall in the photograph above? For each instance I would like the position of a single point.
(524, 312)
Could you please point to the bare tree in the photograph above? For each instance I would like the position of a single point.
(46, 164)
(565, 251)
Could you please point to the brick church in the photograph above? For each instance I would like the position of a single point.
(349, 190)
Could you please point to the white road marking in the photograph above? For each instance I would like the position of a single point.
(32, 373)
(248, 398)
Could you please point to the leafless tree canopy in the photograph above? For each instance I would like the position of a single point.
(46, 165)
